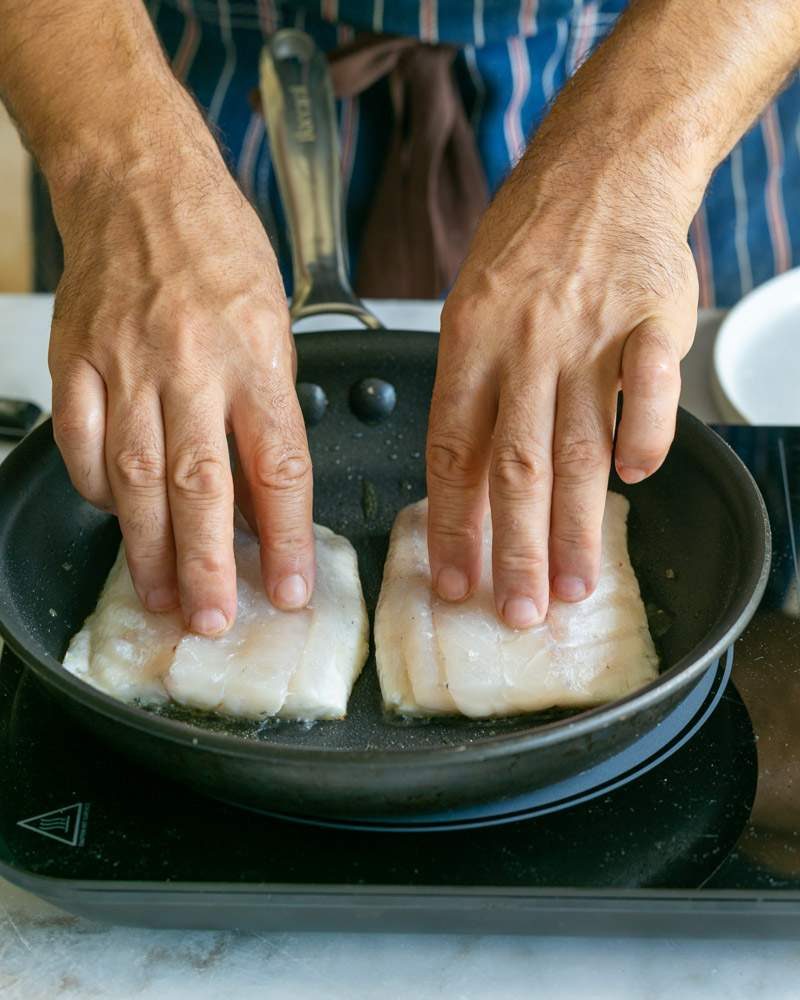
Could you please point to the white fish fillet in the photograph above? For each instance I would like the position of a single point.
(294, 664)
(404, 621)
(434, 657)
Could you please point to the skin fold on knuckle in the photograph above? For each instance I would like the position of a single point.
(139, 469)
(653, 374)
(152, 554)
(580, 459)
(450, 536)
(267, 343)
(72, 417)
(520, 561)
(291, 545)
(205, 562)
(452, 460)
(76, 426)
(576, 537)
(458, 316)
(197, 476)
(518, 470)
(281, 469)
(264, 381)
(186, 329)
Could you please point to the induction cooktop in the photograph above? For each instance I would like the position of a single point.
(698, 833)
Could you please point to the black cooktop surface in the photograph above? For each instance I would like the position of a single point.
(703, 837)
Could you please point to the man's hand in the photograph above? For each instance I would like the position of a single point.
(170, 330)
(580, 282)
(170, 325)
(551, 313)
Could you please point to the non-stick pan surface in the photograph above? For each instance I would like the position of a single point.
(699, 540)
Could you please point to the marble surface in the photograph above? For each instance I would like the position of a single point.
(45, 953)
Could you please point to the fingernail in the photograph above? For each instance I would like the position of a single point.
(569, 588)
(209, 621)
(520, 612)
(452, 584)
(162, 599)
(630, 475)
(292, 592)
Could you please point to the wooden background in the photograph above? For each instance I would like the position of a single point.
(15, 240)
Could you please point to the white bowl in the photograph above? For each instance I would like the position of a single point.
(756, 370)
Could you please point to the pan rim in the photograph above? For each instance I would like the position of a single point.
(739, 612)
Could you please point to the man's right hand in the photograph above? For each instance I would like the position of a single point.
(171, 330)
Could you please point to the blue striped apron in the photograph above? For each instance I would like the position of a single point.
(515, 56)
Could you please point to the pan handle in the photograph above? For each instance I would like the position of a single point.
(297, 99)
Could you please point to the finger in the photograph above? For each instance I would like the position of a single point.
(463, 413)
(135, 460)
(651, 387)
(582, 440)
(272, 446)
(79, 428)
(520, 487)
(200, 489)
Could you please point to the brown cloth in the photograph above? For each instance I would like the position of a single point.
(432, 190)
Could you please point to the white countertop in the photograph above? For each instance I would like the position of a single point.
(45, 953)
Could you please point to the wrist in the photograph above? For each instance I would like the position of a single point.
(656, 100)
(645, 153)
(148, 137)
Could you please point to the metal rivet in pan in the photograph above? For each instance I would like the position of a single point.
(372, 399)
(313, 402)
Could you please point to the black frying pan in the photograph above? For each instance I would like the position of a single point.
(699, 539)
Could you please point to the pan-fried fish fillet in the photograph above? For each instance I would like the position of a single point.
(439, 658)
(298, 665)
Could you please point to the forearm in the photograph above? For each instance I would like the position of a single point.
(674, 87)
(90, 89)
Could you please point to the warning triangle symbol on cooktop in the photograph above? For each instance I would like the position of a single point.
(62, 824)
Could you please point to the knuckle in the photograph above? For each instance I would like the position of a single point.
(273, 377)
(69, 429)
(139, 468)
(518, 469)
(653, 374)
(521, 560)
(197, 563)
(463, 315)
(73, 427)
(578, 458)
(279, 469)
(456, 314)
(288, 544)
(186, 324)
(577, 536)
(452, 460)
(449, 531)
(197, 474)
(148, 555)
